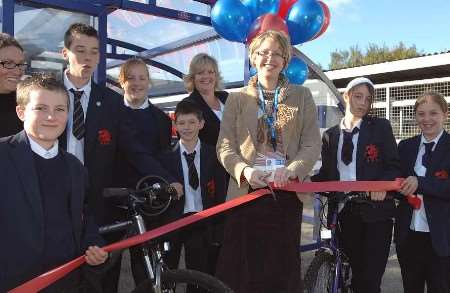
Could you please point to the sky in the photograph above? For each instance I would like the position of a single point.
(425, 24)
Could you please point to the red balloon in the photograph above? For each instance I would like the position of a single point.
(326, 20)
(285, 5)
(264, 23)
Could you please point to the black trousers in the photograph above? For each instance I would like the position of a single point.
(109, 281)
(367, 245)
(420, 265)
(195, 240)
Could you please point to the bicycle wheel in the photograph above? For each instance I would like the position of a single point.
(320, 273)
(177, 281)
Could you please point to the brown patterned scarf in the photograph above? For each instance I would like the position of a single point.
(263, 134)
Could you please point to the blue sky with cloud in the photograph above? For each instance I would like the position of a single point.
(425, 24)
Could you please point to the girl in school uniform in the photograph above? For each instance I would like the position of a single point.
(423, 233)
(362, 147)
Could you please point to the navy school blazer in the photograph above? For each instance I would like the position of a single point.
(109, 135)
(376, 159)
(212, 180)
(22, 214)
(435, 187)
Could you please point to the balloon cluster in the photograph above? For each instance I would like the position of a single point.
(241, 20)
(302, 20)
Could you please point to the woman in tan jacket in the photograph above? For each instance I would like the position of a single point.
(269, 132)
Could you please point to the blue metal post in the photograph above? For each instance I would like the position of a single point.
(8, 17)
(103, 37)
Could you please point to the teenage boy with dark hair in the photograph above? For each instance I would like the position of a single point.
(195, 164)
(43, 189)
(98, 130)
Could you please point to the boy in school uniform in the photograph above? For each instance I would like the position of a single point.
(43, 188)
(98, 131)
(195, 164)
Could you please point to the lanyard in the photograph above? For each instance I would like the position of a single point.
(270, 120)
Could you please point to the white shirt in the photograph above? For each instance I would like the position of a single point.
(347, 172)
(219, 113)
(419, 220)
(75, 146)
(192, 198)
(42, 152)
(145, 105)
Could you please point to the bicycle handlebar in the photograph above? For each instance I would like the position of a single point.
(116, 192)
(119, 226)
(353, 196)
(157, 190)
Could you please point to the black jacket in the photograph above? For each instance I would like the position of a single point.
(109, 132)
(374, 133)
(22, 214)
(211, 178)
(9, 122)
(435, 188)
(210, 131)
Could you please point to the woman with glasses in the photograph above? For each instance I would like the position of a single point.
(12, 67)
(269, 133)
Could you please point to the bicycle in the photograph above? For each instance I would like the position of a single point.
(152, 197)
(330, 271)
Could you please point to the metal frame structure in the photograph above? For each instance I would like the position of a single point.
(101, 9)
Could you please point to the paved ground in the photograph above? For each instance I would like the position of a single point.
(391, 280)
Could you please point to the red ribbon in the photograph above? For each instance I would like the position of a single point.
(52, 276)
(414, 201)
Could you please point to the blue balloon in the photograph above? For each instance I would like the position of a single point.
(231, 20)
(297, 71)
(304, 21)
(261, 7)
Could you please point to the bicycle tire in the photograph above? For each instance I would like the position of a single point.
(320, 273)
(175, 281)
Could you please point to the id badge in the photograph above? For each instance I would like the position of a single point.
(272, 165)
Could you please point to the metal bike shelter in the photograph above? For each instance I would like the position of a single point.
(165, 33)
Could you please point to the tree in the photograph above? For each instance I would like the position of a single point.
(374, 53)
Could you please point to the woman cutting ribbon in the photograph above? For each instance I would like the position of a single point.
(268, 133)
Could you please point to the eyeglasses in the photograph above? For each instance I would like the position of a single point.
(269, 53)
(12, 65)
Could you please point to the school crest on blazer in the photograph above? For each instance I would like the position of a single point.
(104, 136)
(372, 153)
(441, 174)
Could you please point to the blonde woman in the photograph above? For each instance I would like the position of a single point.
(204, 84)
(269, 132)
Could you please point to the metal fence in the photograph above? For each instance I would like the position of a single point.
(395, 102)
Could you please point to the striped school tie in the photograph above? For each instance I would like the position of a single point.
(78, 129)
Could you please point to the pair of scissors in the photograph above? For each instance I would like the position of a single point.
(271, 189)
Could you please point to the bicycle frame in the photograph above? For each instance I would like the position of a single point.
(152, 254)
(333, 245)
(152, 199)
